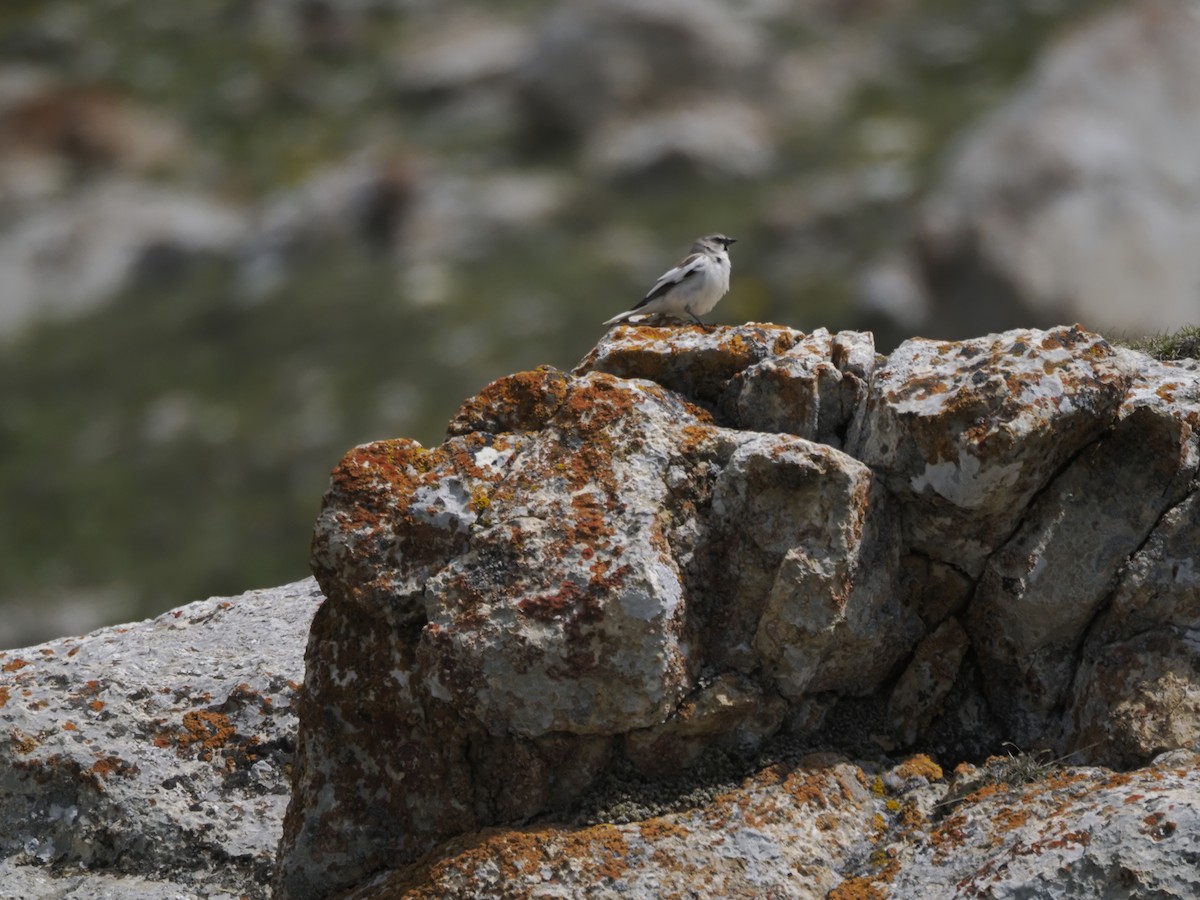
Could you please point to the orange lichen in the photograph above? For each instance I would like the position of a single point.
(21, 742)
(1007, 818)
(109, 767)
(867, 887)
(919, 765)
(206, 729)
(660, 829)
(597, 852)
(96, 705)
(3, 696)
(807, 789)
(14, 664)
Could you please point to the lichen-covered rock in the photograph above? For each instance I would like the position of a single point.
(566, 614)
(1040, 592)
(1137, 689)
(546, 585)
(746, 843)
(965, 434)
(1072, 833)
(698, 539)
(825, 828)
(155, 754)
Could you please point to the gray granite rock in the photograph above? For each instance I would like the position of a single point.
(154, 756)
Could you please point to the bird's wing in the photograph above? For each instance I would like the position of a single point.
(687, 268)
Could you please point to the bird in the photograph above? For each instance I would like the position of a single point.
(693, 287)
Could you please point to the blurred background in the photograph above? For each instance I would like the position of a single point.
(237, 237)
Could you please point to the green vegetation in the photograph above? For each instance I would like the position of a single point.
(1181, 344)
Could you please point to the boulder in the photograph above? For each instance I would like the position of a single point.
(155, 754)
(703, 543)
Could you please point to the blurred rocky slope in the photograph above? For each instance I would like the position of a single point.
(235, 238)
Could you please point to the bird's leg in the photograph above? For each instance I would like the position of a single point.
(699, 321)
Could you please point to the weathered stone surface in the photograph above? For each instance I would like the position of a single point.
(1042, 589)
(697, 364)
(154, 754)
(965, 434)
(812, 390)
(547, 575)
(566, 613)
(732, 708)
(1075, 833)
(927, 680)
(698, 539)
(824, 828)
(811, 588)
(785, 832)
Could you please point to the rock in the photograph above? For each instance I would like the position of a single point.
(724, 137)
(152, 759)
(866, 833)
(754, 377)
(700, 545)
(1065, 202)
(1040, 592)
(813, 569)
(742, 844)
(965, 434)
(543, 580)
(625, 56)
(1072, 833)
(71, 255)
(732, 706)
(1136, 691)
(927, 680)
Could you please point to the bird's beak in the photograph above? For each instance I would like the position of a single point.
(729, 241)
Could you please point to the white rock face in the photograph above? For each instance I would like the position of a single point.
(967, 433)
(156, 752)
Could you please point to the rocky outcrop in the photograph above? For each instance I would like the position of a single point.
(151, 760)
(701, 544)
(825, 828)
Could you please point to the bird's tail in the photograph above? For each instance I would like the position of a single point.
(628, 314)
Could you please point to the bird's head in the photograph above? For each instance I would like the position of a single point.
(713, 243)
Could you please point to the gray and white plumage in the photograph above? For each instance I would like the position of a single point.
(690, 289)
